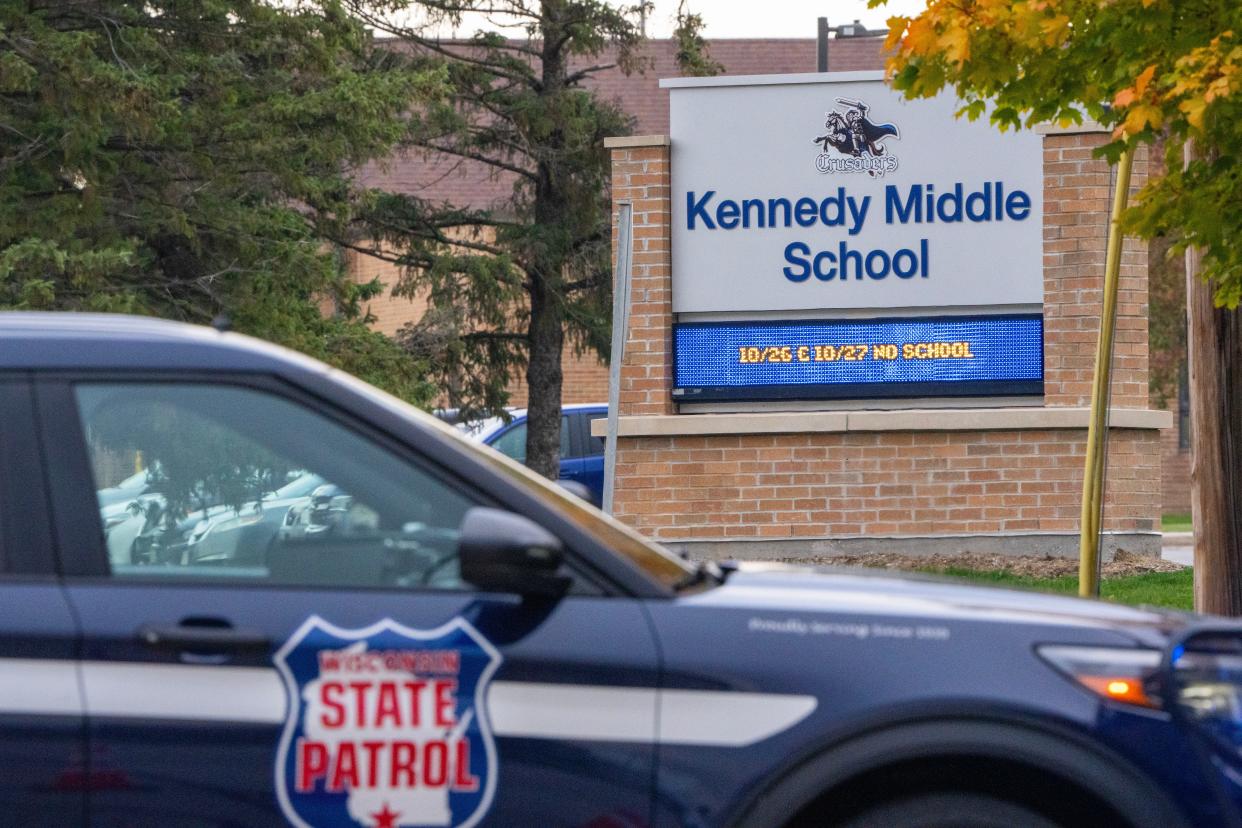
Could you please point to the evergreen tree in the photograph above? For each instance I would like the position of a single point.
(508, 285)
(189, 159)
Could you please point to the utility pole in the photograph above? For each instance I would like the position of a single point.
(855, 29)
(822, 46)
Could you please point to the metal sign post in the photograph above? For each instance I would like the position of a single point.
(620, 327)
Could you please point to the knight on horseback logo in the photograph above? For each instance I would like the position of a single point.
(855, 143)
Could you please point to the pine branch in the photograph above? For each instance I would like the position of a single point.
(482, 159)
(577, 77)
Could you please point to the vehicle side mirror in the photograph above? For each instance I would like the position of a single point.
(500, 551)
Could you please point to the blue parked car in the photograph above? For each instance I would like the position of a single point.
(582, 455)
(441, 637)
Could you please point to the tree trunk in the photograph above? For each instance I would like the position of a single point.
(546, 333)
(543, 381)
(1214, 350)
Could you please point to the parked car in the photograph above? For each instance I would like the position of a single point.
(582, 455)
(327, 510)
(241, 536)
(139, 530)
(466, 644)
(127, 491)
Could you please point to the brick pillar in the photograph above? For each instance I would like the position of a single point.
(640, 175)
(1078, 194)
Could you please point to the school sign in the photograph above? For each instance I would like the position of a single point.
(863, 324)
(832, 240)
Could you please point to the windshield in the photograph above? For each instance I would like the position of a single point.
(657, 562)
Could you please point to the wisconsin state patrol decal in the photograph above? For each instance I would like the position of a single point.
(386, 726)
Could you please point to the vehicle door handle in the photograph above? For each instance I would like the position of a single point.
(178, 637)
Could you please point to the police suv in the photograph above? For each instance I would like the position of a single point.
(441, 638)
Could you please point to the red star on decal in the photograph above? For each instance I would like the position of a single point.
(385, 818)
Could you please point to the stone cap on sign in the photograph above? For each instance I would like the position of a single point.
(929, 419)
(1086, 127)
(781, 79)
(624, 141)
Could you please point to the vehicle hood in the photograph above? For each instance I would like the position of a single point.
(784, 592)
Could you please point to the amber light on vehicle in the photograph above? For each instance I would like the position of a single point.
(1118, 689)
(1117, 674)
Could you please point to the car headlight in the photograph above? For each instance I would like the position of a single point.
(1203, 683)
(1207, 680)
(1120, 674)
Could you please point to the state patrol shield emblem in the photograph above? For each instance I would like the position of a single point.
(386, 726)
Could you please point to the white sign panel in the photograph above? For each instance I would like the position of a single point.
(822, 192)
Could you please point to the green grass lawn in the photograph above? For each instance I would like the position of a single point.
(1162, 589)
(1176, 522)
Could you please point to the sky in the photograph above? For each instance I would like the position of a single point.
(776, 18)
(758, 18)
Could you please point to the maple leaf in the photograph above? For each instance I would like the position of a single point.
(1194, 108)
(1218, 88)
(920, 37)
(956, 44)
(897, 26)
(1055, 29)
(1140, 117)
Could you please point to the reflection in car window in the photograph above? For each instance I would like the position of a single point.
(302, 484)
(243, 484)
(653, 559)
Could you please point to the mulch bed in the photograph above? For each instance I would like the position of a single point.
(1123, 563)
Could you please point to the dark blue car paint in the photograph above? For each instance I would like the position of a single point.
(987, 669)
(178, 769)
(43, 761)
(982, 685)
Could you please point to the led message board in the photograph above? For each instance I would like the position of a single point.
(942, 356)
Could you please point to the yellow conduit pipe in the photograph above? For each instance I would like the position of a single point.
(1097, 430)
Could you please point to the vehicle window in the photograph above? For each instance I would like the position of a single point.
(653, 559)
(513, 442)
(241, 484)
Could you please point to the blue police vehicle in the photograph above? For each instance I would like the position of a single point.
(442, 638)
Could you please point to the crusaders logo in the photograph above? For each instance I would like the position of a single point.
(386, 726)
(859, 142)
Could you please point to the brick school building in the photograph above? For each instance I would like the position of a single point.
(1083, 184)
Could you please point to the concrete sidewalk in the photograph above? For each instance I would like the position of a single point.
(1178, 547)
